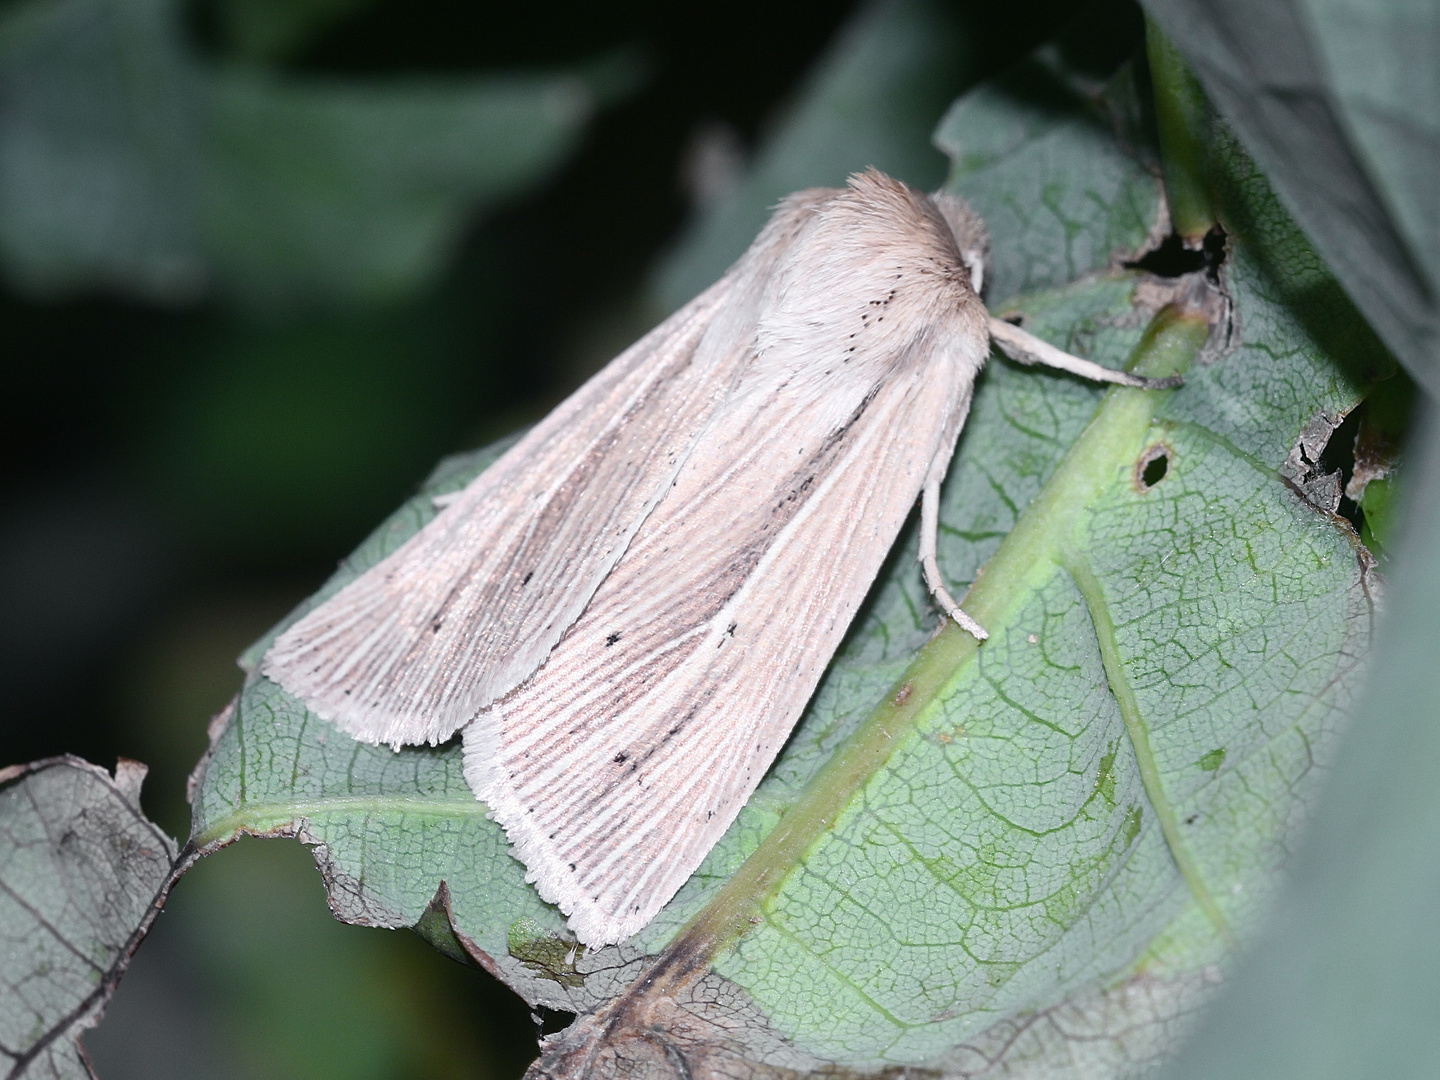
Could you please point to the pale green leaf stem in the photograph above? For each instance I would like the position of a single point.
(263, 817)
(1180, 116)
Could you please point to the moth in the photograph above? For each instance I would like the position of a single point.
(627, 612)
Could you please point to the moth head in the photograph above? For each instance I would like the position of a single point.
(942, 225)
(971, 236)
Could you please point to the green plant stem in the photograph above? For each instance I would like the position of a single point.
(1182, 115)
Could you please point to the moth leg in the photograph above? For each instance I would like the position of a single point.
(929, 530)
(1025, 348)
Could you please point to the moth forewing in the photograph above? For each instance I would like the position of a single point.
(470, 605)
(415, 647)
(617, 766)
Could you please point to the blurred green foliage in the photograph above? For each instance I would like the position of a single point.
(306, 428)
(137, 164)
(276, 29)
(873, 101)
(310, 998)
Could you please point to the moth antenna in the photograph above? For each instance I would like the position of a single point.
(1025, 348)
(929, 531)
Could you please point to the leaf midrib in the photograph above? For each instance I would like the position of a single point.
(266, 816)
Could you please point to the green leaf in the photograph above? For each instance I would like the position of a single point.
(1030, 855)
(1345, 981)
(132, 165)
(82, 875)
(1339, 103)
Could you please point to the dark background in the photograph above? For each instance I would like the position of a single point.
(176, 477)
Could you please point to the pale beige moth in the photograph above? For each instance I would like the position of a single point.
(626, 614)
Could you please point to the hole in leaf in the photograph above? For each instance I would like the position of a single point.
(1155, 471)
(1152, 467)
(1339, 453)
(1172, 259)
(548, 1021)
